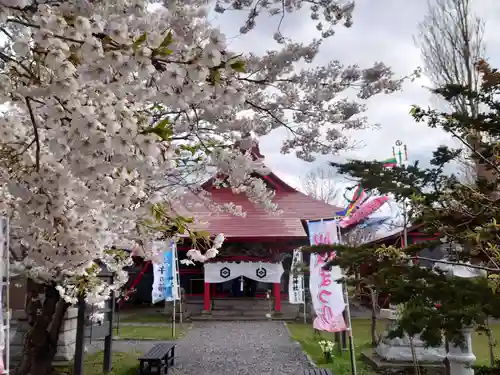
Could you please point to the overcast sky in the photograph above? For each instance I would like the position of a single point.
(383, 30)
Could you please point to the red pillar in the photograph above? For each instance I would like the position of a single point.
(277, 297)
(206, 297)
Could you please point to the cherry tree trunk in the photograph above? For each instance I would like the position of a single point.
(45, 311)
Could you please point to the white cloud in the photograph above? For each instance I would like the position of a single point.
(383, 30)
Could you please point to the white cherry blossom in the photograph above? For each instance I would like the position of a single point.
(113, 108)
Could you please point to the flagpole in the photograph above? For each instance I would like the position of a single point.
(173, 321)
(402, 158)
(177, 275)
(304, 295)
(174, 286)
(352, 349)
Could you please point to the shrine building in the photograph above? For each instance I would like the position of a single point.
(253, 266)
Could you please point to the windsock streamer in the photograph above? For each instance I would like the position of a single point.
(364, 211)
(357, 199)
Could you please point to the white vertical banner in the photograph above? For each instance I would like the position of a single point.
(158, 290)
(172, 274)
(165, 283)
(159, 273)
(296, 280)
(326, 294)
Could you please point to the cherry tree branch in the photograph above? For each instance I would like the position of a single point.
(452, 263)
(62, 37)
(6, 33)
(19, 22)
(36, 135)
(8, 58)
(273, 116)
(279, 121)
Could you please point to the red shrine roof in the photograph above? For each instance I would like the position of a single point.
(295, 207)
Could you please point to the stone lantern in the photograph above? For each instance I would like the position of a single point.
(400, 349)
(461, 357)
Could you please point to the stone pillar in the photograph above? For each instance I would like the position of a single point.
(67, 338)
(462, 358)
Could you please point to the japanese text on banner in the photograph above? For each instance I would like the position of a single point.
(296, 281)
(165, 275)
(327, 295)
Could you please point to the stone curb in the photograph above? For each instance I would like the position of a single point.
(142, 324)
(145, 340)
(116, 338)
(309, 359)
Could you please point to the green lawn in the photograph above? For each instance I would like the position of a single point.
(147, 317)
(361, 333)
(480, 345)
(145, 332)
(341, 363)
(123, 364)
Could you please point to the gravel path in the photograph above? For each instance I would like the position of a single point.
(230, 348)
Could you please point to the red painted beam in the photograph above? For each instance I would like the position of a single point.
(190, 271)
(277, 297)
(134, 283)
(241, 259)
(273, 183)
(206, 297)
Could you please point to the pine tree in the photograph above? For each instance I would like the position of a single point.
(464, 217)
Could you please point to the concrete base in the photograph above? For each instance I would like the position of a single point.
(380, 365)
(399, 349)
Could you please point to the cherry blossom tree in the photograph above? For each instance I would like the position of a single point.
(111, 108)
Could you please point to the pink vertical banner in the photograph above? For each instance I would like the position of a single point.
(326, 294)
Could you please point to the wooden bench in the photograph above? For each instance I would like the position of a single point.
(318, 371)
(157, 360)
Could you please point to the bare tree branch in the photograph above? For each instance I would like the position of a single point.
(321, 184)
(451, 43)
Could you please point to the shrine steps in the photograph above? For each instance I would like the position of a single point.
(235, 309)
(242, 305)
(246, 309)
(239, 318)
(236, 313)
